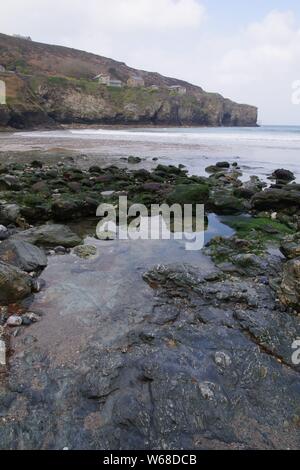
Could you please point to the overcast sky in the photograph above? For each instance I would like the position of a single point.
(248, 51)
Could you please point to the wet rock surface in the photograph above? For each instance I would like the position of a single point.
(207, 366)
(114, 354)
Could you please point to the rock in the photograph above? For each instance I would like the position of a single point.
(223, 165)
(222, 359)
(95, 169)
(4, 233)
(189, 194)
(14, 283)
(40, 187)
(2, 352)
(289, 290)
(276, 199)
(283, 175)
(36, 164)
(85, 251)
(249, 264)
(60, 250)
(249, 188)
(224, 201)
(14, 320)
(134, 160)
(9, 214)
(30, 318)
(290, 246)
(23, 255)
(9, 183)
(50, 235)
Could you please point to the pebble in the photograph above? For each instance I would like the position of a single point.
(30, 318)
(222, 359)
(14, 320)
(207, 390)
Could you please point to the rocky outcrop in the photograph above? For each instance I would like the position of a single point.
(60, 90)
(50, 236)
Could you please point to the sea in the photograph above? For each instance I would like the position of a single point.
(258, 150)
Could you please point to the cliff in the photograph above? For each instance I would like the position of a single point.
(51, 85)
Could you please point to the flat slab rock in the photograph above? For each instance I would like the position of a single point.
(50, 235)
(209, 366)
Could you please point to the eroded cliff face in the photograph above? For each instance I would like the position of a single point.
(51, 85)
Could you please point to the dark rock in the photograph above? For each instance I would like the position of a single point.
(50, 235)
(289, 291)
(223, 201)
(283, 175)
(36, 164)
(290, 246)
(9, 214)
(223, 165)
(23, 255)
(14, 284)
(276, 199)
(134, 160)
(40, 187)
(189, 194)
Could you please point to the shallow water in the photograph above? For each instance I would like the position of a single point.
(106, 293)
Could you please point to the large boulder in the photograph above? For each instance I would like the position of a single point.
(15, 284)
(283, 176)
(290, 246)
(23, 255)
(289, 290)
(223, 201)
(277, 199)
(50, 235)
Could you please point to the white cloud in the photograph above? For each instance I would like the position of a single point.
(114, 16)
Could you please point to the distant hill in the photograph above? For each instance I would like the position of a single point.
(50, 85)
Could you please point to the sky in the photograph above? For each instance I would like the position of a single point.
(247, 51)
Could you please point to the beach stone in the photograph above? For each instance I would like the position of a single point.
(283, 175)
(85, 251)
(276, 199)
(224, 201)
(189, 194)
(40, 187)
(9, 213)
(4, 233)
(134, 160)
(23, 255)
(14, 283)
(290, 246)
(223, 165)
(50, 235)
(14, 320)
(289, 290)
